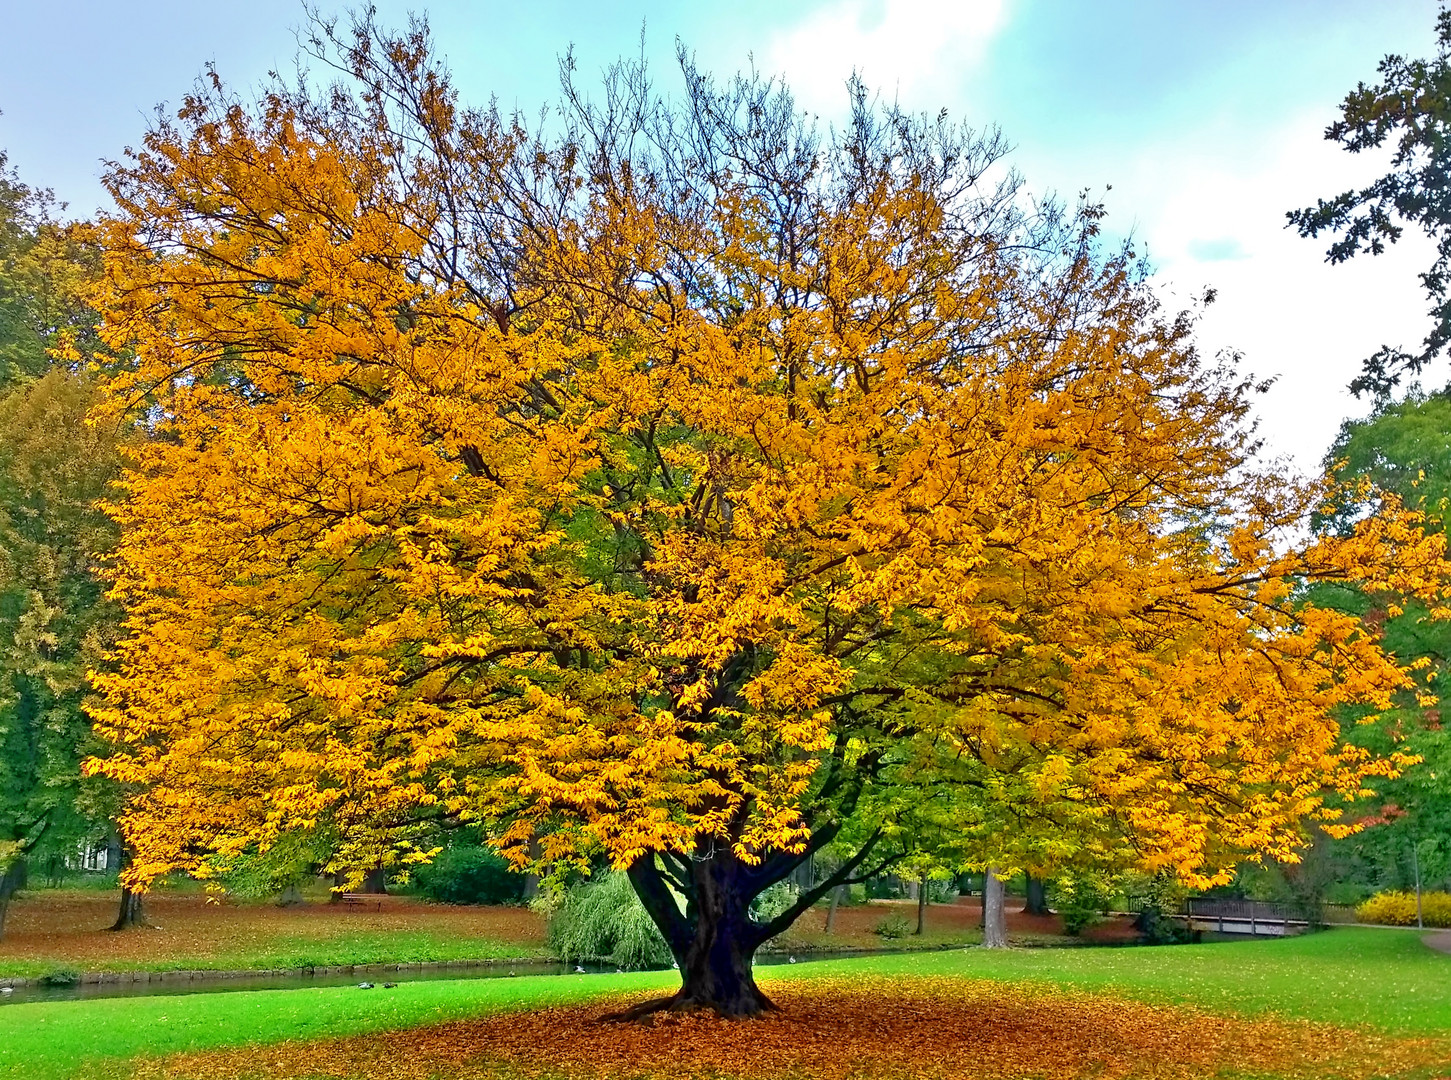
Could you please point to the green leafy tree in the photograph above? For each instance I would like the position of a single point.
(1410, 110)
(42, 269)
(1403, 450)
(54, 466)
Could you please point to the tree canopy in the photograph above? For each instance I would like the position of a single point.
(1411, 110)
(688, 486)
(42, 268)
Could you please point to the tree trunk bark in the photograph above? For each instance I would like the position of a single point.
(716, 971)
(375, 882)
(995, 926)
(131, 912)
(11, 879)
(531, 880)
(831, 911)
(921, 906)
(714, 942)
(1037, 903)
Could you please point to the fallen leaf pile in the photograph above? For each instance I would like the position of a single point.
(848, 1030)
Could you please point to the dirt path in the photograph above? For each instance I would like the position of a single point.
(1440, 941)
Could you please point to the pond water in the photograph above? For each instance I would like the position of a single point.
(298, 980)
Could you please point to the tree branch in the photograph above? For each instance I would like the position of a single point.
(810, 896)
(659, 904)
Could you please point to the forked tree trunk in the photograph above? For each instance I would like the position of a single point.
(131, 912)
(831, 911)
(1037, 902)
(995, 924)
(714, 941)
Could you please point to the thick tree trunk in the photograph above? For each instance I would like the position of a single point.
(995, 925)
(921, 906)
(375, 882)
(1037, 903)
(716, 970)
(131, 912)
(714, 941)
(831, 911)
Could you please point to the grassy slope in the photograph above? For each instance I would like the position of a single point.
(1384, 979)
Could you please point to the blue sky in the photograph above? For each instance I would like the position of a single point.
(1205, 117)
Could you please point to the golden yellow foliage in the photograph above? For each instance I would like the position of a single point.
(706, 499)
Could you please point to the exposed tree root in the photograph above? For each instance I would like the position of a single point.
(681, 1002)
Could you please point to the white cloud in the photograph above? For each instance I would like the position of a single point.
(1213, 214)
(920, 51)
(1208, 201)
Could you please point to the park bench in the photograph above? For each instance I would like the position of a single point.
(359, 901)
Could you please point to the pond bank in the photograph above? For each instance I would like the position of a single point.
(99, 984)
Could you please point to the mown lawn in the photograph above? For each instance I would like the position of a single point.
(1370, 980)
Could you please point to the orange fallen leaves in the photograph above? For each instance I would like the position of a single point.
(931, 1027)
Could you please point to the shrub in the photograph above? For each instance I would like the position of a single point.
(894, 926)
(774, 900)
(942, 890)
(467, 874)
(1081, 900)
(1399, 909)
(604, 920)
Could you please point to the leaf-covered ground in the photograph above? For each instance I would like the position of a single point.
(52, 929)
(844, 1029)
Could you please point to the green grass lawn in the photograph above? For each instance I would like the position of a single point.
(291, 953)
(374, 947)
(1378, 978)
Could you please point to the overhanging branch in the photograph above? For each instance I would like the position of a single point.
(810, 896)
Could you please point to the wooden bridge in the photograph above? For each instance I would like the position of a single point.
(1259, 918)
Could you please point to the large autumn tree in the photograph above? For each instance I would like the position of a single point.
(694, 488)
